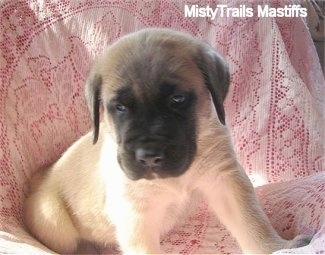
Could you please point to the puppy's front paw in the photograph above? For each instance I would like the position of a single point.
(299, 241)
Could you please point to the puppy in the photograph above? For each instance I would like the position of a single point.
(162, 138)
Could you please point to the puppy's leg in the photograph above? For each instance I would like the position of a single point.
(233, 199)
(139, 226)
(298, 241)
(141, 236)
(47, 218)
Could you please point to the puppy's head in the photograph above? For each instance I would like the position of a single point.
(154, 85)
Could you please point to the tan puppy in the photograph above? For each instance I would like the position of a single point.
(161, 141)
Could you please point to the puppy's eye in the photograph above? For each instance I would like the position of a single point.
(178, 99)
(121, 108)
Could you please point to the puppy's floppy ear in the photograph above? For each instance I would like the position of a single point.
(216, 77)
(93, 94)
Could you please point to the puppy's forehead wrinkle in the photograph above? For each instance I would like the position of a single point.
(149, 66)
(149, 82)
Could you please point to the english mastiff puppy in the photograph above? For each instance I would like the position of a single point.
(161, 140)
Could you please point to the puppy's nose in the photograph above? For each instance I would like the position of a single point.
(149, 157)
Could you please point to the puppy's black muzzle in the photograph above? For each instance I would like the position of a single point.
(156, 140)
(152, 157)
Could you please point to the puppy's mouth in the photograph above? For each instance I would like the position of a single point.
(152, 173)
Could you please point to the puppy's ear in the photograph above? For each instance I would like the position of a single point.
(93, 95)
(216, 77)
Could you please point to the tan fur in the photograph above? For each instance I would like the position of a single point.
(86, 196)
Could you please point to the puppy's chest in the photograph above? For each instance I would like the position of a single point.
(152, 198)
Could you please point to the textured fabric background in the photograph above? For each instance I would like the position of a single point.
(275, 108)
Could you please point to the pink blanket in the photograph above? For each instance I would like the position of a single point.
(275, 108)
